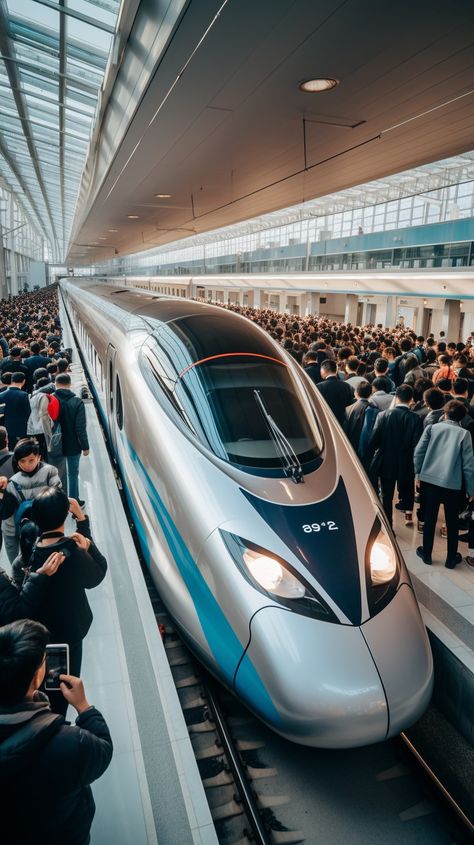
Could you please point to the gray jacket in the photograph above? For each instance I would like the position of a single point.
(31, 485)
(444, 457)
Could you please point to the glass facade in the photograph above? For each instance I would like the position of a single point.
(415, 219)
(53, 62)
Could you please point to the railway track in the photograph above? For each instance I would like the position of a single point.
(263, 789)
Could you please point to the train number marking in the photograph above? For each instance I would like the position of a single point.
(316, 526)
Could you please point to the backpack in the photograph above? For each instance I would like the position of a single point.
(54, 406)
(55, 448)
(23, 511)
(398, 373)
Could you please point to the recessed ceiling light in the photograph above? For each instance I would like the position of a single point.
(163, 196)
(113, 230)
(315, 86)
(133, 216)
(102, 238)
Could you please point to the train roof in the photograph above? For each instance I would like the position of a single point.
(148, 305)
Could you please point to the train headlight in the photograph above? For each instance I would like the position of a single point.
(276, 578)
(383, 561)
(272, 576)
(382, 568)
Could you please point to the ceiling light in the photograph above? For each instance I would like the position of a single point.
(112, 230)
(133, 216)
(163, 196)
(102, 238)
(315, 86)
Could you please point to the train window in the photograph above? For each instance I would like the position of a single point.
(118, 403)
(235, 391)
(111, 387)
(251, 411)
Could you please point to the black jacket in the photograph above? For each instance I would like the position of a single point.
(73, 422)
(65, 610)
(16, 411)
(338, 394)
(9, 365)
(354, 421)
(394, 437)
(46, 767)
(21, 604)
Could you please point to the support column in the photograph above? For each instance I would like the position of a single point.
(350, 314)
(313, 301)
(437, 315)
(3, 275)
(452, 319)
(256, 298)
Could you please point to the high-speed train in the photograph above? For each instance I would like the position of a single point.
(262, 533)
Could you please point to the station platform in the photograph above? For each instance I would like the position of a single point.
(446, 596)
(152, 791)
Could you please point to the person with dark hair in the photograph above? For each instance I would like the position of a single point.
(65, 610)
(444, 462)
(394, 437)
(336, 392)
(36, 359)
(434, 400)
(6, 464)
(398, 373)
(355, 414)
(73, 423)
(14, 364)
(31, 477)
(419, 349)
(381, 397)
(15, 408)
(37, 747)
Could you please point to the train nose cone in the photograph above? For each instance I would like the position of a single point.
(322, 680)
(400, 647)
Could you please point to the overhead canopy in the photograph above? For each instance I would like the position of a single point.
(219, 131)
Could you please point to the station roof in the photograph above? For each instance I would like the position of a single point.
(158, 122)
(215, 128)
(53, 58)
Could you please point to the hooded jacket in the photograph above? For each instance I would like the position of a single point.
(46, 767)
(72, 419)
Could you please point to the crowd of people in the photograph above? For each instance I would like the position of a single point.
(405, 403)
(53, 560)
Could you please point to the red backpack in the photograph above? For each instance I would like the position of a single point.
(54, 406)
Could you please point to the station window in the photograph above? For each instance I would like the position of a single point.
(118, 403)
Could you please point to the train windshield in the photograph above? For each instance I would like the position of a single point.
(243, 404)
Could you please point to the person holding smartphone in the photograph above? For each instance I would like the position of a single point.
(65, 610)
(46, 765)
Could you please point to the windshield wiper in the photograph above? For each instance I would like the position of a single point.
(289, 457)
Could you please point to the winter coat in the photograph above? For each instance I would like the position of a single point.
(46, 767)
(31, 485)
(65, 610)
(338, 394)
(444, 457)
(394, 437)
(72, 419)
(21, 603)
(16, 412)
(39, 421)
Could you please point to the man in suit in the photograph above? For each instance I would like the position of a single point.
(15, 409)
(337, 393)
(394, 438)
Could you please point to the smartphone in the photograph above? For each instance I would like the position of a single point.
(57, 663)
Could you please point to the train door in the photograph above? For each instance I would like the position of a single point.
(110, 390)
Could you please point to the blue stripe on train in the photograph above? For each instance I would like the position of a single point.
(223, 642)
